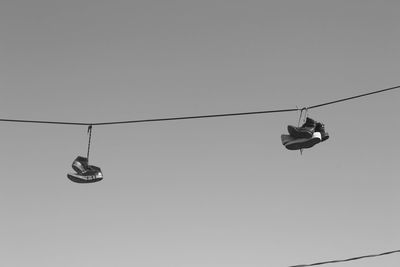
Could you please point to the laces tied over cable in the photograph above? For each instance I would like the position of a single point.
(302, 120)
(90, 138)
(303, 116)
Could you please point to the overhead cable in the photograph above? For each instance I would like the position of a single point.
(199, 116)
(353, 97)
(350, 259)
(47, 122)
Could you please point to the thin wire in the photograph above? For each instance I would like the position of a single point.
(350, 259)
(199, 116)
(353, 97)
(90, 138)
(154, 120)
(46, 122)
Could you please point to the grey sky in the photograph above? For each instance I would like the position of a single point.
(214, 192)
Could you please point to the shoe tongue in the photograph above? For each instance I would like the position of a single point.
(81, 159)
(309, 122)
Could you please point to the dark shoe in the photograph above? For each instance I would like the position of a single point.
(305, 131)
(95, 168)
(320, 127)
(292, 143)
(93, 174)
(80, 164)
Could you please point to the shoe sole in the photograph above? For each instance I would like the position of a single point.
(76, 178)
(324, 137)
(301, 143)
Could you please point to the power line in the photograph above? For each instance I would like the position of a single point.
(46, 122)
(350, 259)
(353, 97)
(199, 116)
(153, 120)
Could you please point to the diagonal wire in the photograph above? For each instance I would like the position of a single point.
(199, 116)
(46, 122)
(353, 97)
(350, 259)
(154, 120)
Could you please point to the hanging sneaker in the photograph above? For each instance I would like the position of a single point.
(91, 175)
(80, 164)
(320, 127)
(292, 143)
(305, 131)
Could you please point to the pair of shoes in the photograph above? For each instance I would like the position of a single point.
(306, 136)
(85, 173)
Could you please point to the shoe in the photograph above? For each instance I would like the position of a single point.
(80, 164)
(305, 131)
(93, 174)
(320, 127)
(95, 168)
(292, 143)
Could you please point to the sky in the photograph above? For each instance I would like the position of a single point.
(198, 193)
